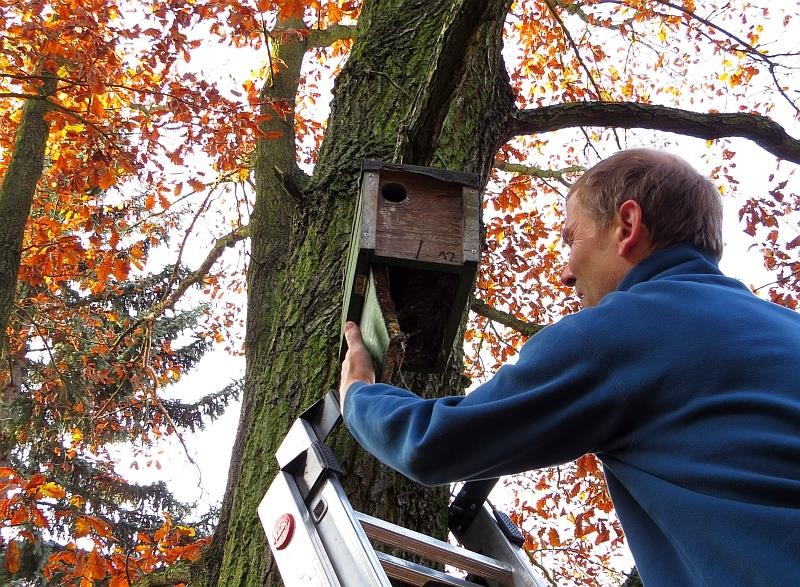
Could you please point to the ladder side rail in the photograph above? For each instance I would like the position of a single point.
(292, 536)
(346, 544)
(324, 415)
(312, 426)
(467, 503)
(485, 536)
(434, 549)
(326, 534)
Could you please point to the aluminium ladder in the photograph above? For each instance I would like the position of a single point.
(317, 538)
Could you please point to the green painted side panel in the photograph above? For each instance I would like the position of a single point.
(373, 325)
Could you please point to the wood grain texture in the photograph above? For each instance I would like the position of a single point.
(426, 226)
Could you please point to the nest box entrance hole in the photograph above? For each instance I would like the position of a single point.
(394, 192)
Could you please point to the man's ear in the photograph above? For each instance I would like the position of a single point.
(633, 238)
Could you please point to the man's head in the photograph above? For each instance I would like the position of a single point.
(629, 205)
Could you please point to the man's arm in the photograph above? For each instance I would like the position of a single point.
(558, 402)
(357, 364)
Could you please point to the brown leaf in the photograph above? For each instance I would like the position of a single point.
(12, 557)
(555, 539)
(95, 566)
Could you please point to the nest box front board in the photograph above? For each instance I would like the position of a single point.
(413, 258)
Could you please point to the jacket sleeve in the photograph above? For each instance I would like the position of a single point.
(558, 402)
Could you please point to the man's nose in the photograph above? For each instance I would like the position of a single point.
(568, 277)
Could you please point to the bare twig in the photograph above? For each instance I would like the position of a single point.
(193, 278)
(495, 315)
(156, 401)
(780, 281)
(541, 567)
(200, 209)
(538, 172)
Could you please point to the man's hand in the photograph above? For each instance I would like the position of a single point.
(357, 364)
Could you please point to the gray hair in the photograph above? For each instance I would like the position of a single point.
(678, 204)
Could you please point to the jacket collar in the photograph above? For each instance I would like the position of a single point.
(681, 259)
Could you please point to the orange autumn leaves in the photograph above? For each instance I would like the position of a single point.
(128, 117)
(127, 113)
(165, 546)
(107, 561)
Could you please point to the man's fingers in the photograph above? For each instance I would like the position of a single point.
(357, 365)
(352, 334)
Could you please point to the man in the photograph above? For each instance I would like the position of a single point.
(682, 382)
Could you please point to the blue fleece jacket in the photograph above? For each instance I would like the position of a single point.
(682, 382)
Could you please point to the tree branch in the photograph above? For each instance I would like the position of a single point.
(325, 37)
(766, 133)
(22, 96)
(180, 572)
(288, 44)
(576, 9)
(575, 49)
(485, 310)
(198, 274)
(193, 278)
(17, 188)
(737, 43)
(417, 141)
(557, 174)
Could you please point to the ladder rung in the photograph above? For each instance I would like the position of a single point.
(416, 574)
(434, 549)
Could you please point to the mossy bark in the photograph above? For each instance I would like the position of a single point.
(425, 84)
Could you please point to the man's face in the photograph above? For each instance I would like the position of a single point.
(594, 267)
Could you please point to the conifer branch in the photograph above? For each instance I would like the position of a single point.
(483, 309)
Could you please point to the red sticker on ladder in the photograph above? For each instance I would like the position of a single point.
(282, 532)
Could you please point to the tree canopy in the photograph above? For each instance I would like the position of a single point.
(136, 168)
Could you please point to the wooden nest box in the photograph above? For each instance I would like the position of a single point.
(413, 257)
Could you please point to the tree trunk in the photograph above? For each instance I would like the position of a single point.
(16, 197)
(425, 84)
